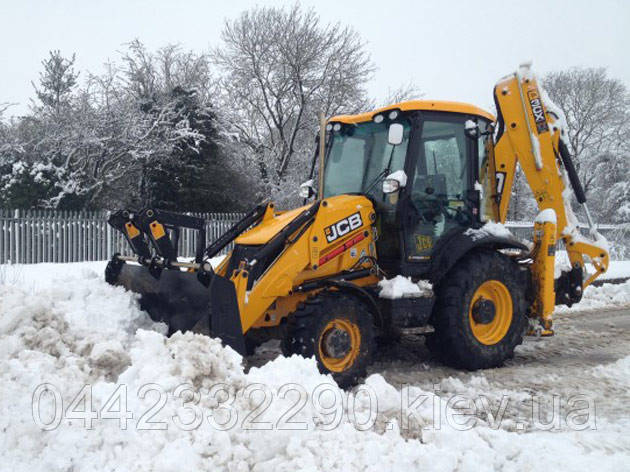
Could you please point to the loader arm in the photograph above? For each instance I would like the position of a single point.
(530, 131)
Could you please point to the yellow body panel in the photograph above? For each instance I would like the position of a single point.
(546, 183)
(544, 255)
(262, 233)
(536, 152)
(313, 255)
(425, 105)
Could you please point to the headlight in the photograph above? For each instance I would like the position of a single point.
(329, 127)
(393, 115)
(337, 127)
(378, 119)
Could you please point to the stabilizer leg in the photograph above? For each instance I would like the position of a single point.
(544, 255)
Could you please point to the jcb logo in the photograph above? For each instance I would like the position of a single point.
(538, 111)
(423, 242)
(343, 227)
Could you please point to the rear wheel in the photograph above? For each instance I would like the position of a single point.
(338, 330)
(480, 313)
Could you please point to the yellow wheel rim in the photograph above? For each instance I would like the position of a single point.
(491, 331)
(339, 344)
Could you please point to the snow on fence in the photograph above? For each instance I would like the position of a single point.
(31, 236)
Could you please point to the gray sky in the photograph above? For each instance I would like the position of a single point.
(454, 50)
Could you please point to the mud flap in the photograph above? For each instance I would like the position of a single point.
(225, 316)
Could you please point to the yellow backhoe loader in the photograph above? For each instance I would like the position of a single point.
(417, 189)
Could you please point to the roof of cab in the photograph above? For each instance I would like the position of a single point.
(426, 105)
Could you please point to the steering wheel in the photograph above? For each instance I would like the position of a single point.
(429, 211)
(460, 214)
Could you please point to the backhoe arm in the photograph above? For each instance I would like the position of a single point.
(530, 131)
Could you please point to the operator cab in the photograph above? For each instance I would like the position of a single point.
(418, 162)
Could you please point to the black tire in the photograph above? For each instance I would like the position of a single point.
(454, 341)
(310, 323)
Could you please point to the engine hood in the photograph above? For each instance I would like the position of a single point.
(335, 208)
(262, 233)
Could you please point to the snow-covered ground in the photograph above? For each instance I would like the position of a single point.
(617, 270)
(560, 403)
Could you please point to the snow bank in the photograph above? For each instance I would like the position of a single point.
(46, 275)
(195, 407)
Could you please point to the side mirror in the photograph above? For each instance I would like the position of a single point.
(394, 182)
(471, 129)
(395, 134)
(306, 189)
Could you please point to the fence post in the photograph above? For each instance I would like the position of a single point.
(16, 236)
(110, 242)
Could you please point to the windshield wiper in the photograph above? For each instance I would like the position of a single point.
(377, 179)
(385, 172)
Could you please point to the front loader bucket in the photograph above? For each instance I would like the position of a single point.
(198, 299)
(224, 313)
(176, 298)
(180, 300)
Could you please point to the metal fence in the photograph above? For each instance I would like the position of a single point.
(31, 236)
(618, 235)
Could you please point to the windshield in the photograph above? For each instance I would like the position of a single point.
(443, 162)
(358, 155)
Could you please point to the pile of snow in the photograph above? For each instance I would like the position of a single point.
(195, 407)
(404, 287)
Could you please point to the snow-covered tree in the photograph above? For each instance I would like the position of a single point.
(172, 138)
(35, 154)
(56, 82)
(597, 109)
(279, 68)
(142, 133)
(404, 92)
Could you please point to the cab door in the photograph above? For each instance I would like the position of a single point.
(438, 194)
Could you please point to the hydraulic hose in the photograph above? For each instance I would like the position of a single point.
(573, 176)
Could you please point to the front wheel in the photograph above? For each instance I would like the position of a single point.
(338, 330)
(480, 312)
